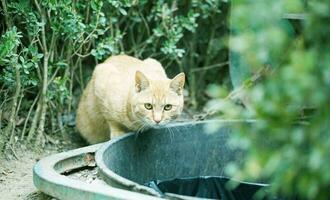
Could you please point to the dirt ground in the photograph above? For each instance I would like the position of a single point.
(16, 180)
(16, 177)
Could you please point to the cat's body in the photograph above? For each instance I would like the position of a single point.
(120, 94)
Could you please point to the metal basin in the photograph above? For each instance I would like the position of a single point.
(182, 150)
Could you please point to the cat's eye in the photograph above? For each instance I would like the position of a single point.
(168, 107)
(148, 106)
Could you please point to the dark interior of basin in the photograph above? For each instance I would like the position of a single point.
(180, 151)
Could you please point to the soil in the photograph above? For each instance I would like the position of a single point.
(16, 180)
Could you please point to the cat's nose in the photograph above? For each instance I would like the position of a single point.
(157, 121)
(157, 117)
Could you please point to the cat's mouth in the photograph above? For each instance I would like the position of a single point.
(160, 124)
(156, 125)
(153, 124)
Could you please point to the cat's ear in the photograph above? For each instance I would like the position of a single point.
(177, 83)
(141, 81)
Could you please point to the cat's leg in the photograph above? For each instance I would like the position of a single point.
(116, 130)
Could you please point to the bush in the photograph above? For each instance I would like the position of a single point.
(49, 48)
(290, 102)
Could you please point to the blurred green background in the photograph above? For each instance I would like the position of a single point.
(281, 74)
(244, 59)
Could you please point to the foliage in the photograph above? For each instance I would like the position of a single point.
(49, 48)
(289, 144)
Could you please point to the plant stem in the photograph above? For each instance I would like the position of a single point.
(12, 119)
(11, 124)
(28, 117)
(43, 96)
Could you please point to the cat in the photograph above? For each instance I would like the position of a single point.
(127, 94)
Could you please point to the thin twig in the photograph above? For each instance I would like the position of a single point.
(53, 76)
(28, 116)
(88, 36)
(11, 139)
(236, 93)
(14, 153)
(218, 65)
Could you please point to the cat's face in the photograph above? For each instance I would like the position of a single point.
(157, 102)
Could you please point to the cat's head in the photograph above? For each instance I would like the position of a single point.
(157, 102)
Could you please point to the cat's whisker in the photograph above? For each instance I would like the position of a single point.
(138, 131)
(143, 126)
(182, 121)
(147, 126)
(136, 122)
(177, 130)
(171, 133)
(142, 129)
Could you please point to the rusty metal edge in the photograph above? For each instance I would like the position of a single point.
(48, 180)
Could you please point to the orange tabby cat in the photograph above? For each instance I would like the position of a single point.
(128, 94)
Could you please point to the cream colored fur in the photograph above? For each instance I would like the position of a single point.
(116, 96)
